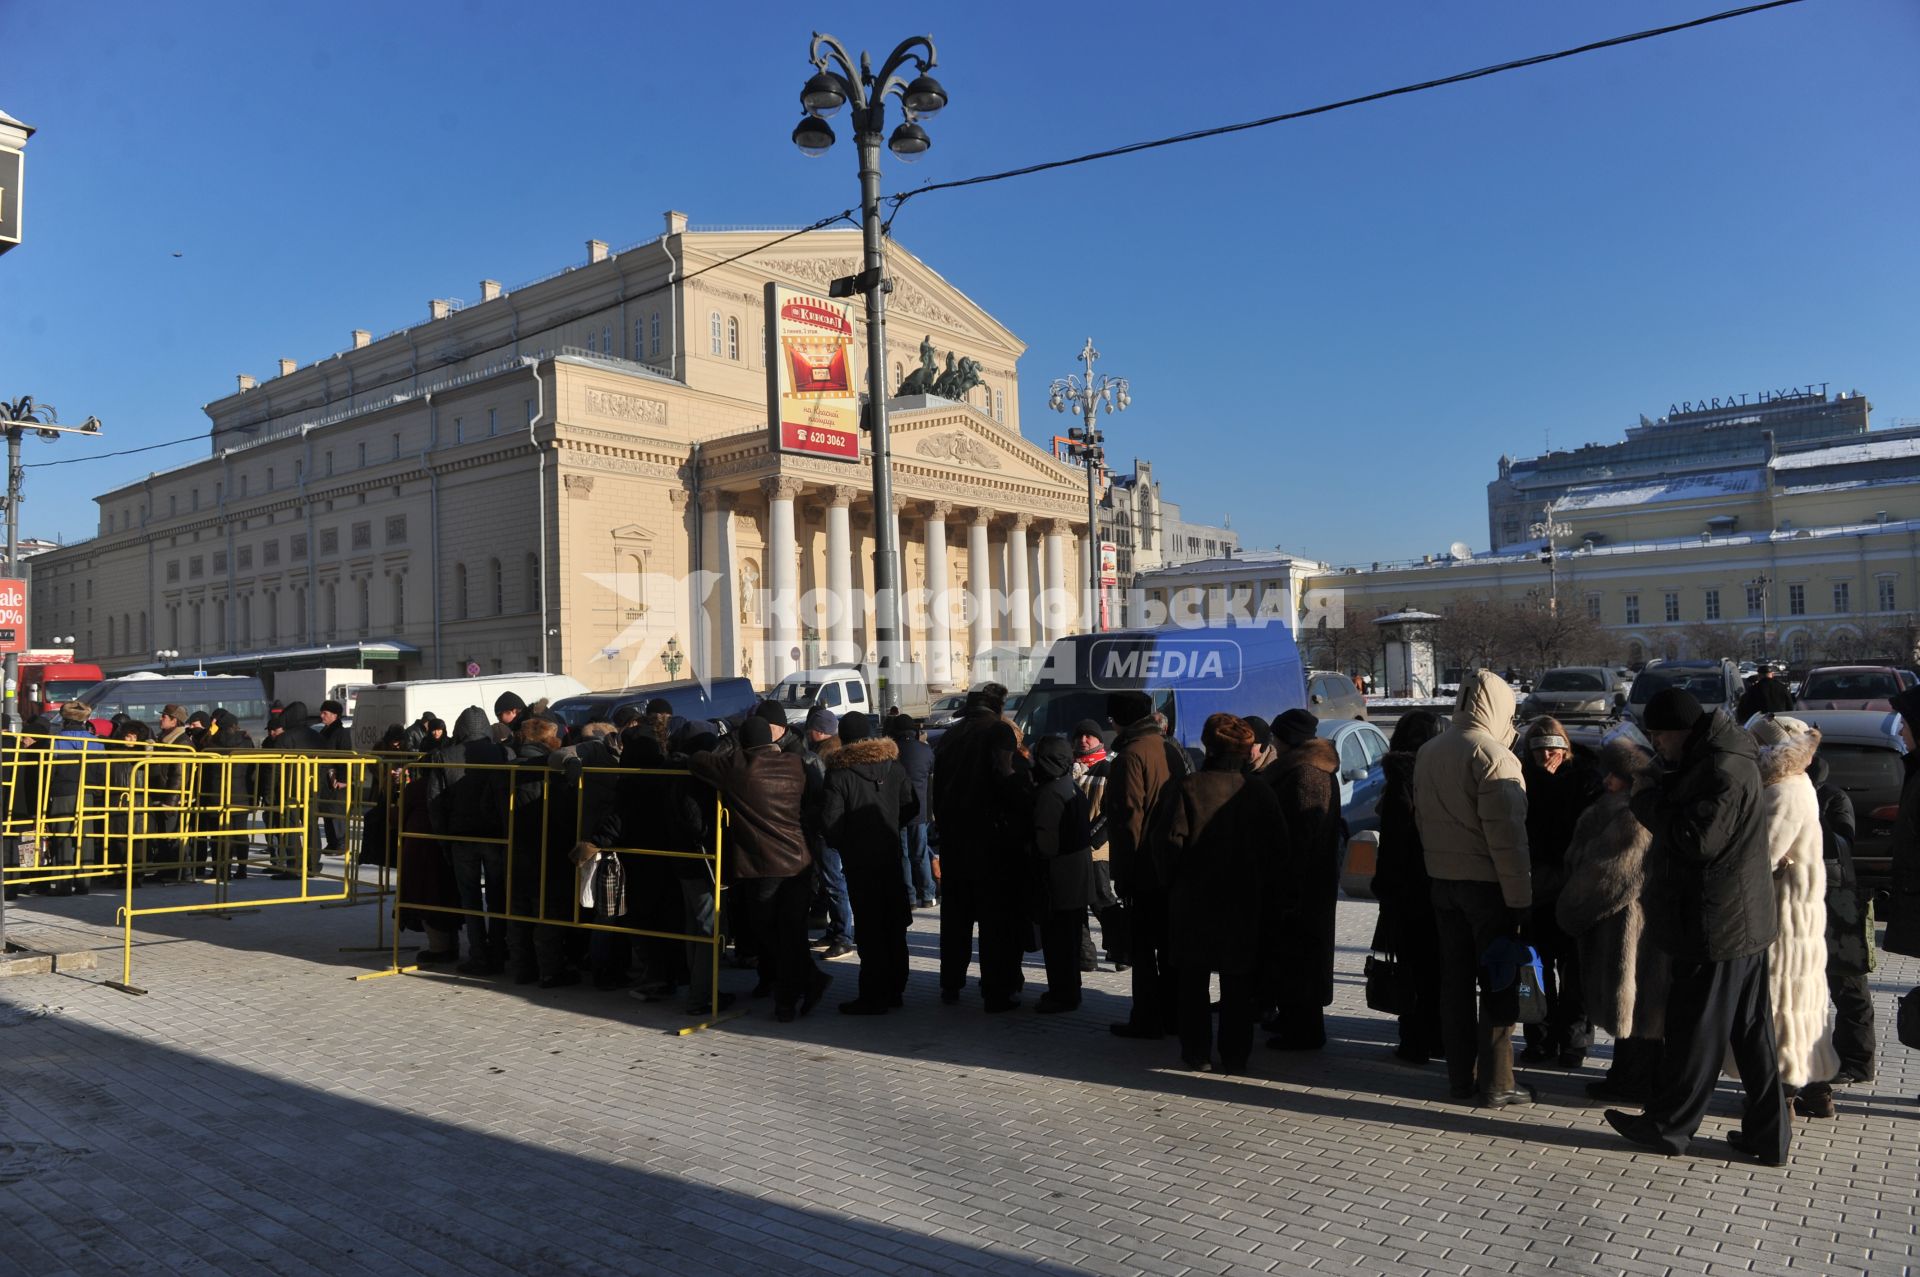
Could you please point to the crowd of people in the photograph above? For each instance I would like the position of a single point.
(1688, 888)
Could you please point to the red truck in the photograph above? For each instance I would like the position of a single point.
(48, 679)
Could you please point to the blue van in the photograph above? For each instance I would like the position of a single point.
(1190, 672)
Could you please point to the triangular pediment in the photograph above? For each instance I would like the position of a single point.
(960, 439)
(632, 532)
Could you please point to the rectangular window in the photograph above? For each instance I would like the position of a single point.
(329, 540)
(363, 456)
(1593, 607)
(654, 324)
(297, 546)
(219, 565)
(396, 529)
(530, 412)
(1843, 596)
(590, 349)
(269, 478)
(173, 570)
(1670, 603)
(243, 485)
(999, 405)
(326, 462)
(270, 553)
(1796, 600)
(1755, 598)
(459, 431)
(362, 536)
(195, 567)
(1885, 600)
(1713, 605)
(493, 421)
(396, 445)
(1633, 609)
(606, 339)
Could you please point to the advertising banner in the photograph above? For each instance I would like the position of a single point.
(813, 396)
(1109, 563)
(13, 615)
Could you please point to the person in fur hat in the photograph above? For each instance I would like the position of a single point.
(1608, 885)
(866, 798)
(1797, 963)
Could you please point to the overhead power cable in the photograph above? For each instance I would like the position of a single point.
(897, 200)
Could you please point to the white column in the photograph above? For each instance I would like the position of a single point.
(939, 645)
(980, 587)
(722, 658)
(783, 610)
(1019, 597)
(1059, 592)
(839, 625)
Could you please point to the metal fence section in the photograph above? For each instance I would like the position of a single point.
(527, 879)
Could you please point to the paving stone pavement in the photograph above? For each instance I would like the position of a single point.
(259, 1112)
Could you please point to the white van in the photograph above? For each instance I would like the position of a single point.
(840, 688)
(382, 706)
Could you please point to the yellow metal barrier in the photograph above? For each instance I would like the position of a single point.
(523, 794)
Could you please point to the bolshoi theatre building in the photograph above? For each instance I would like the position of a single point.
(576, 475)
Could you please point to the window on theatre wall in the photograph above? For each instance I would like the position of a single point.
(1755, 599)
(1885, 591)
(533, 583)
(1670, 605)
(733, 339)
(713, 333)
(653, 333)
(1843, 596)
(1796, 600)
(1632, 602)
(1713, 605)
(496, 587)
(460, 591)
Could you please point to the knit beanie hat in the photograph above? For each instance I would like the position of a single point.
(770, 712)
(1776, 729)
(823, 720)
(506, 701)
(1128, 708)
(854, 726)
(1295, 728)
(755, 732)
(1672, 709)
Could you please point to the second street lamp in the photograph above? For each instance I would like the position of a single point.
(1085, 396)
(834, 84)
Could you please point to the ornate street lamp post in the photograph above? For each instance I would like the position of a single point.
(671, 658)
(18, 418)
(1085, 395)
(834, 84)
(1548, 529)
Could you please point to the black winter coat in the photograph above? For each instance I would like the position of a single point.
(462, 801)
(979, 789)
(1214, 839)
(917, 757)
(1555, 802)
(1063, 859)
(1710, 839)
(866, 798)
(1903, 920)
(1305, 897)
(1846, 915)
(1400, 883)
(1766, 696)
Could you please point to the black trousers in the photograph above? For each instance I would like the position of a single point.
(1239, 1008)
(879, 897)
(1153, 978)
(1060, 933)
(966, 901)
(1711, 1006)
(1853, 1018)
(1469, 916)
(1567, 1027)
(775, 910)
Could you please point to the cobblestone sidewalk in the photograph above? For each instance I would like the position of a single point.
(259, 1112)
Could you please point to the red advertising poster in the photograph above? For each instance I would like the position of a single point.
(13, 615)
(813, 396)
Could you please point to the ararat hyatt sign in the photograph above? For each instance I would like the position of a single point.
(1758, 397)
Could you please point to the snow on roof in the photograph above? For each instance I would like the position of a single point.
(1849, 454)
(1690, 487)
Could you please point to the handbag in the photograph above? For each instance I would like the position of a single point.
(1907, 1023)
(1387, 982)
(1533, 1001)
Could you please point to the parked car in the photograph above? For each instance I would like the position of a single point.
(690, 698)
(1851, 687)
(1331, 695)
(840, 688)
(1363, 776)
(1715, 683)
(1576, 691)
(1864, 758)
(945, 710)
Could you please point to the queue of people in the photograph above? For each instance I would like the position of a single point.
(1688, 890)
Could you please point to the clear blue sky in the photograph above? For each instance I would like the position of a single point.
(1333, 327)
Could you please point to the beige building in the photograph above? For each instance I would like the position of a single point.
(1813, 556)
(575, 476)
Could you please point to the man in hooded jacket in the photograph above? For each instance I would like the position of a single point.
(466, 787)
(1471, 809)
(1717, 920)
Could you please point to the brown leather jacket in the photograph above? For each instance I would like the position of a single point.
(764, 790)
(1138, 770)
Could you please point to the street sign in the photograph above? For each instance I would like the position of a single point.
(473, 669)
(813, 400)
(13, 615)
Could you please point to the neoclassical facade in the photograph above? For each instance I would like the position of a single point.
(575, 476)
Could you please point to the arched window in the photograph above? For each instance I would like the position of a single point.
(113, 642)
(273, 616)
(713, 332)
(460, 591)
(590, 347)
(143, 632)
(654, 330)
(496, 586)
(300, 623)
(606, 340)
(533, 583)
(733, 339)
(243, 619)
(639, 340)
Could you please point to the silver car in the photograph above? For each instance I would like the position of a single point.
(1575, 691)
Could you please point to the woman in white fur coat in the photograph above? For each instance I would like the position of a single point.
(1797, 960)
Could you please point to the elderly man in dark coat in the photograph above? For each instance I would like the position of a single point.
(1062, 869)
(1716, 921)
(979, 787)
(1138, 769)
(1213, 839)
(867, 798)
(1304, 777)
